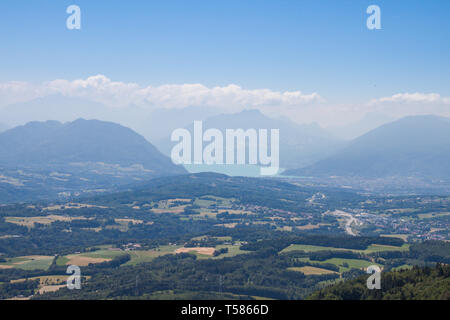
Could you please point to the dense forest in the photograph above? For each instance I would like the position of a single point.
(416, 284)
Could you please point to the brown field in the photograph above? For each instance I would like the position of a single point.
(19, 299)
(98, 229)
(51, 288)
(178, 209)
(200, 250)
(83, 261)
(35, 257)
(308, 227)
(227, 225)
(307, 270)
(45, 280)
(5, 267)
(133, 221)
(404, 237)
(47, 283)
(276, 218)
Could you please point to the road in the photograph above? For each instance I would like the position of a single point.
(349, 222)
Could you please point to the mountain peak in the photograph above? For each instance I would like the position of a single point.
(50, 142)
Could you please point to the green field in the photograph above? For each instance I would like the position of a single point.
(232, 251)
(29, 262)
(432, 215)
(379, 248)
(62, 261)
(403, 267)
(142, 256)
(105, 254)
(339, 262)
(308, 270)
(308, 248)
(203, 203)
(372, 248)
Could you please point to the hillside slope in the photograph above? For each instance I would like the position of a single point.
(415, 284)
(44, 159)
(413, 146)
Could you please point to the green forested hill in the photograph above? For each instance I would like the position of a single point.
(415, 284)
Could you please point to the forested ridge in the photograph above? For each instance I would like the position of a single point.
(416, 284)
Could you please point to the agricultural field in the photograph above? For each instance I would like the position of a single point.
(433, 215)
(345, 264)
(233, 250)
(30, 222)
(308, 271)
(209, 200)
(28, 262)
(201, 251)
(143, 256)
(404, 237)
(379, 248)
(46, 280)
(71, 206)
(371, 249)
(84, 259)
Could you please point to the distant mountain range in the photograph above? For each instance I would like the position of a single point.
(153, 123)
(161, 122)
(300, 145)
(356, 129)
(3, 127)
(413, 146)
(77, 156)
(50, 159)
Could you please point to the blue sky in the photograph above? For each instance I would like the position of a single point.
(311, 46)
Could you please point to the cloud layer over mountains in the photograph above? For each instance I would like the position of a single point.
(127, 97)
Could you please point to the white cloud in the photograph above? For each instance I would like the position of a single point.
(120, 94)
(295, 105)
(16, 91)
(412, 98)
(390, 107)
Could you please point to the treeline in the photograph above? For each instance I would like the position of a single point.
(433, 251)
(415, 284)
(420, 253)
(264, 273)
(24, 288)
